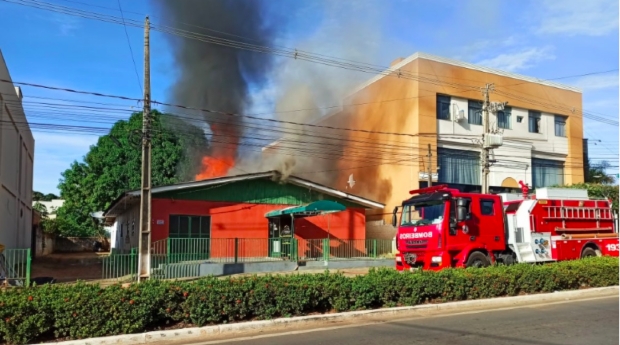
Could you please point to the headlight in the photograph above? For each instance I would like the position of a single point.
(436, 259)
(399, 259)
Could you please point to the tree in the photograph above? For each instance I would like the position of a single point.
(49, 225)
(597, 173)
(39, 207)
(38, 196)
(113, 166)
(599, 191)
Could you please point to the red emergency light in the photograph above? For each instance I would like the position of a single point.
(428, 189)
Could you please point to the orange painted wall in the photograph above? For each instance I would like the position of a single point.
(230, 220)
(247, 222)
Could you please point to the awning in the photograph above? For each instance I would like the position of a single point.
(313, 209)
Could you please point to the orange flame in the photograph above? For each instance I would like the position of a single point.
(213, 167)
(222, 156)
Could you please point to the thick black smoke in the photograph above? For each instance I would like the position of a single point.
(214, 76)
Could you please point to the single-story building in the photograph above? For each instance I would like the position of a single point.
(250, 208)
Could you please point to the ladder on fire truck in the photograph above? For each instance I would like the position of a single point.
(596, 213)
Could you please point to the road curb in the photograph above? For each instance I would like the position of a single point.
(200, 333)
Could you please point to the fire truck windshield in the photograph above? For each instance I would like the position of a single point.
(422, 214)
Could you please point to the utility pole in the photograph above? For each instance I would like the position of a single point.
(489, 140)
(144, 240)
(430, 167)
(485, 131)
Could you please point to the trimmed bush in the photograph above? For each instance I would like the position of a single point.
(83, 311)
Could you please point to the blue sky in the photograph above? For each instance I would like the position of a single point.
(544, 39)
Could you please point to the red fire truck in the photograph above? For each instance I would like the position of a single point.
(441, 227)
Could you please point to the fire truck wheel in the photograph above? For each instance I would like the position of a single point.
(589, 252)
(477, 259)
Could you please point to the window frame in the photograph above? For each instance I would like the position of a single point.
(482, 201)
(127, 235)
(534, 115)
(187, 233)
(507, 114)
(540, 180)
(562, 123)
(443, 100)
(474, 108)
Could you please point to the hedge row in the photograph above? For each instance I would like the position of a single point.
(83, 311)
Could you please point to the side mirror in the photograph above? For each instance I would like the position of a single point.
(453, 223)
(462, 210)
(394, 216)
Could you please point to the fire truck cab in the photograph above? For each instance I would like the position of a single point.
(441, 227)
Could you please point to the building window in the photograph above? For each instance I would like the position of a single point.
(560, 126)
(547, 173)
(474, 114)
(487, 207)
(503, 118)
(127, 236)
(458, 166)
(443, 107)
(534, 121)
(519, 119)
(182, 226)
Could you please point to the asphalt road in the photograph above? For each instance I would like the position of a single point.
(579, 322)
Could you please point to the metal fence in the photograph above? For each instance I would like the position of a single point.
(123, 267)
(15, 266)
(174, 258)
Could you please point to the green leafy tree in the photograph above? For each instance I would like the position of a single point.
(113, 166)
(38, 196)
(39, 207)
(597, 173)
(599, 191)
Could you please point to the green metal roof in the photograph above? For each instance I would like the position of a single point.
(312, 209)
(257, 188)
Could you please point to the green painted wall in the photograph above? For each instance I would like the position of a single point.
(256, 191)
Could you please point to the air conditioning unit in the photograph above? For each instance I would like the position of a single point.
(493, 140)
(459, 116)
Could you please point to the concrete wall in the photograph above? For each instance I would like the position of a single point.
(380, 230)
(16, 167)
(215, 269)
(74, 244)
(44, 244)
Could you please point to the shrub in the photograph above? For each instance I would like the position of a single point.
(83, 311)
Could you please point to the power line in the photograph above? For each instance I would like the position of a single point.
(135, 67)
(208, 110)
(288, 52)
(373, 144)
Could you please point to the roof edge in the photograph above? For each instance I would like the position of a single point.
(458, 63)
(229, 179)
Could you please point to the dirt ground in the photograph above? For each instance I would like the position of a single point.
(69, 267)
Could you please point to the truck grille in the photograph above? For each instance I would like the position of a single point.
(416, 243)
